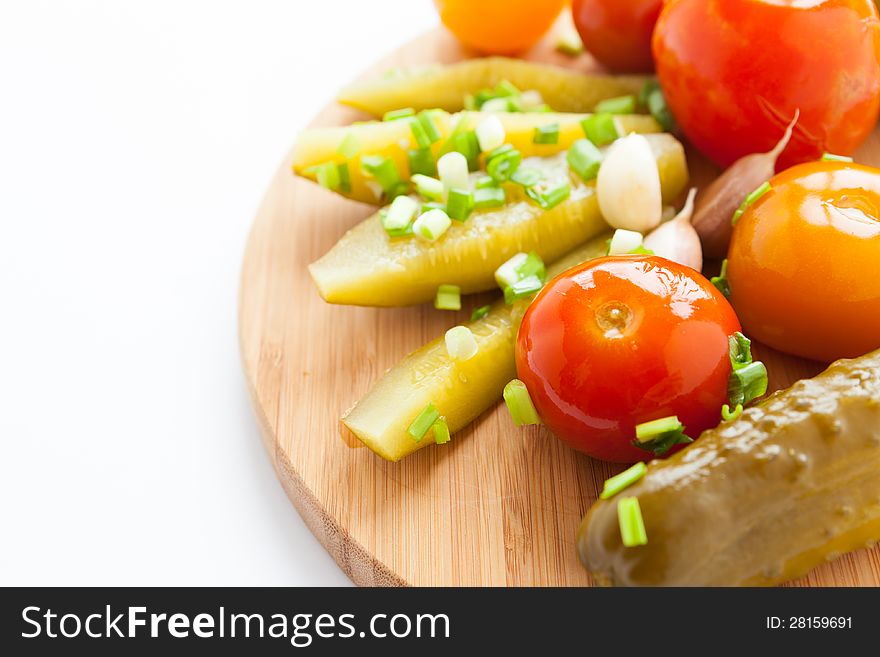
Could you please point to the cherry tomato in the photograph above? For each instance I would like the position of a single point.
(803, 260)
(618, 32)
(499, 27)
(620, 341)
(735, 72)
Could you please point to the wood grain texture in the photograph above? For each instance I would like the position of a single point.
(497, 506)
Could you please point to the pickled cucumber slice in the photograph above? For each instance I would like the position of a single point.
(367, 268)
(460, 390)
(393, 139)
(445, 87)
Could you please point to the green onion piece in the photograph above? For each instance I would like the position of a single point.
(453, 170)
(326, 175)
(526, 177)
(448, 298)
(721, 281)
(623, 481)
(508, 273)
(728, 416)
(747, 383)
(470, 103)
(522, 289)
(632, 525)
(489, 197)
(394, 230)
(426, 120)
(497, 105)
(393, 115)
(421, 161)
(461, 343)
(831, 157)
(532, 266)
(432, 205)
(739, 348)
(344, 177)
(750, 199)
(441, 431)
(432, 224)
(659, 436)
(384, 171)
(549, 198)
(584, 159)
(429, 187)
(483, 182)
(546, 134)
(506, 88)
(502, 162)
(600, 129)
(490, 133)
(619, 105)
(401, 212)
(466, 143)
(519, 404)
(459, 204)
(419, 134)
(480, 313)
(349, 146)
(651, 98)
(424, 421)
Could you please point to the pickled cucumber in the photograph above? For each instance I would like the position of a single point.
(393, 139)
(368, 268)
(460, 390)
(789, 485)
(445, 87)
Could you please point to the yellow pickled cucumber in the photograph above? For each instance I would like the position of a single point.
(460, 390)
(367, 268)
(392, 139)
(445, 87)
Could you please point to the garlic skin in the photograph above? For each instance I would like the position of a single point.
(628, 186)
(677, 240)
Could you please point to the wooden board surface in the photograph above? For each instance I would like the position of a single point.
(497, 506)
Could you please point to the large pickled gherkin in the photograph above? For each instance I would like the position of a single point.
(794, 482)
(394, 139)
(368, 268)
(461, 391)
(445, 87)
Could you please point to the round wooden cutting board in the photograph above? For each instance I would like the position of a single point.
(498, 505)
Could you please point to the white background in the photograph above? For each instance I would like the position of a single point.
(136, 140)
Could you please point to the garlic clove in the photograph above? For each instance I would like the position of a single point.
(677, 240)
(628, 185)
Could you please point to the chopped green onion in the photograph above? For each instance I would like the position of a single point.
(625, 242)
(522, 289)
(721, 281)
(584, 159)
(632, 525)
(651, 98)
(393, 115)
(831, 157)
(502, 162)
(424, 421)
(496, 105)
(466, 143)
(429, 187)
(519, 404)
(470, 103)
(421, 161)
(344, 177)
(453, 170)
(506, 88)
(401, 212)
(658, 436)
(483, 182)
(527, 177)
(480, 313)
(459, 204)
(384, 171)
(600, 129)
(419, 134)
(403, 231)
(546, 134)
(461, 343)
(508, 273)
(549, 198)
(432, 224)
(441, 431)
(426, 119)
(448, 298)
(326, 174)
(623, 481)
(490, 133)
(432, 205)
(728, 416)
(739, 348)
(532, 266)
(489, 197)
(349, 146)
(750, 199)
(747, 383)
(619, 105)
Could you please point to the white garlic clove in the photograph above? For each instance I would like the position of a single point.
(677, 240)
(628, 186)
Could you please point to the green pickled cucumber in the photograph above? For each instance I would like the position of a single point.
(445, 87)
(460, 390)
(367, 268)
